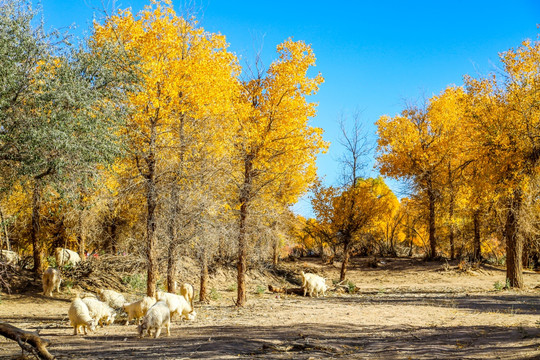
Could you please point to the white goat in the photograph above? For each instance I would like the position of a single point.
(156, 317)
(51, 281)
(187, 292)
(313, 283)
(136, 310)
(9, 257)
(113, 298)
(66, 256)
(177, 305)
(79, 315)
(99, 311)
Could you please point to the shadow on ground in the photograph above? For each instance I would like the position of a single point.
(305, 341)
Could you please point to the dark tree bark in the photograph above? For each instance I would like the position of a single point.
(245, 197)
(242, 257)
(346, 256)
(452, 231)
(514, 243)
(174, 241)
(172, 266)
(203, 296)
(432, 230)
(477, 243)
(4, 231)
(34, 234)
(80, 239)
(275, 257)
(151, 204)
(172, 255)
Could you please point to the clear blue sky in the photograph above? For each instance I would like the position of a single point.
(374, 55)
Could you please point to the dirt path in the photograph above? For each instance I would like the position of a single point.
(403, 309)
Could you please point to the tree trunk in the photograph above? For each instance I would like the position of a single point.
(514, 243)
(204, 278)
(275, 258)
(172, 267)
(4, 231)
(172, 256)
(525, 256)
(34, 233)
(174, 206)
(409, 237)
(242, 257)
(451, 229)
(151, 241)
(477, 244)
(245, 196)
(392, 249)
(432, 235)
(346, 250)
(112, 236)
(151, 203)
(80, 233)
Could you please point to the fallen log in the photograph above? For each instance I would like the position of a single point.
(295, 291)
(28, 341)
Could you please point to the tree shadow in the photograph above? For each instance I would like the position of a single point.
(302, 341)
(501, 303)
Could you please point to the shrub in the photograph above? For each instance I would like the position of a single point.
(260, 289)
(52, 261)
(136, 281)
(214, 295)
(499, 286)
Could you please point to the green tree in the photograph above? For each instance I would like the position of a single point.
(57, 104)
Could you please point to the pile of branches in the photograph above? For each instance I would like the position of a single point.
(464, 266)
(16, 279)
(104, 272)
(6, 272)
(289, 274)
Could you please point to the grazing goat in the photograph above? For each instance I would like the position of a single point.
(177, 305)
(79, 315)
(156, 317)
(313, 283)
(112, 298)
(136, 310)
(99, 311)
(51, 281)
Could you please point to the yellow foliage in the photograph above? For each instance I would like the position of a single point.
(188, 83)
(276, 145)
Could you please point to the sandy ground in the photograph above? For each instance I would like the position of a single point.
(403, 309)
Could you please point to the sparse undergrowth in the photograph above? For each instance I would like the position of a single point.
(414, 304)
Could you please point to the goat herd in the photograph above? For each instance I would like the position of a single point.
(90, 310)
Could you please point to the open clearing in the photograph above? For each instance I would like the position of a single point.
(403, 309)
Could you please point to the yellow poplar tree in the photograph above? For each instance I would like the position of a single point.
(417, 145)
(480, 186)
(388, 226)
(352, 211)
(448, 108)
(188, 83)
(510, 134)
(275, 146)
